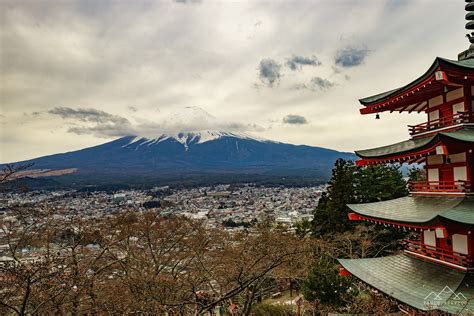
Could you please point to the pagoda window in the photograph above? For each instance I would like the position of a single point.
(433, 115)
(460, 244)
(435, 160)
(429, 238)
(433, 174)
(455, 94)
(461, 157)
(460, 173)
(436, 101)
(458, 107)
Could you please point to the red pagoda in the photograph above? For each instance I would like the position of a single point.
(435, 272)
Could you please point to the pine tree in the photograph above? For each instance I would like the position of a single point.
(325, 285)
(379, 183)
(351, 184)
(331, 213)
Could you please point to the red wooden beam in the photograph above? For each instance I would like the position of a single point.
(343, 272)
(359, 217)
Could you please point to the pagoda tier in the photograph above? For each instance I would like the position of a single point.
(445, 226)
(448, 158)
(445, 82)
(420, 284)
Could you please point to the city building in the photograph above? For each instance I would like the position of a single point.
(435, 272)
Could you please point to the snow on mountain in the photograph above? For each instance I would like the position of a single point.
(187, 138)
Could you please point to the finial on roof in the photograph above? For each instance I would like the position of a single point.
(470, 19)
(469, 53)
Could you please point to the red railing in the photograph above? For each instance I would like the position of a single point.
(460, 186)
(458, 118)
(438, 253)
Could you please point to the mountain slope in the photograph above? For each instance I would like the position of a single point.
(185, 154)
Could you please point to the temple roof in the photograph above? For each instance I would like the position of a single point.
(467, 64)
(420, 284)
(414, 145)
(419, 209)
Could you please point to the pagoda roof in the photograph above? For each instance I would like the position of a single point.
(419, 209)
(416, 145)
(421, 89)
(421, 284)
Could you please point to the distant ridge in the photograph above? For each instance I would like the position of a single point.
(184, 155)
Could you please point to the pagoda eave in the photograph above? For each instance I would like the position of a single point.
(442, 77)
(395, 224)
(415, 150)
(416, 212)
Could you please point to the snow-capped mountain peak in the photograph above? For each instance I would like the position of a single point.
(186, 138)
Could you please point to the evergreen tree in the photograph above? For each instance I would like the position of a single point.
(351, 184)
(416, 174)
(325, 285)
(379, 183)
(330, 214)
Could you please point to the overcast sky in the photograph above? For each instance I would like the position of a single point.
(80, 73)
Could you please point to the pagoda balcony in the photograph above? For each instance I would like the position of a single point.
(439, 255)
(445, 122)
(459, 186)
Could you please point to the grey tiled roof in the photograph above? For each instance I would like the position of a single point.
(465, 134)
(419, 209)
(415, 282)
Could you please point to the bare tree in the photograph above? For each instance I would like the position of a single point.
(10, 171)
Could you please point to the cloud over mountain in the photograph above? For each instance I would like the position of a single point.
(89, 121)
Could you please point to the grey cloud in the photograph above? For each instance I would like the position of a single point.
(316, 83)
(105, 125)
(110, 130)
(295, 119)
(239, 127)
(320, 83)
(297, 62)
(88, 115)
(103, 130)
(351, 56)
(132, 108)
(269, 72)
(188, 1)
(300, 86)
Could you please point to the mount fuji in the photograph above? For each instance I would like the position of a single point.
(185, 155)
